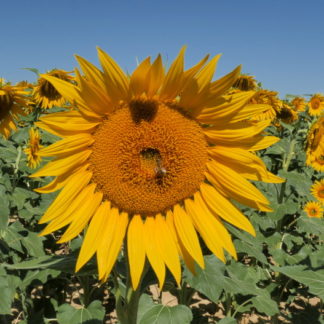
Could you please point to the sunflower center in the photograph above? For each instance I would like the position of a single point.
(47, 90)
(316, 103)
(313, 211)
(148, 157)
(321, 193)
(6, 102)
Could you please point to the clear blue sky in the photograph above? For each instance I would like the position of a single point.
(281, 42)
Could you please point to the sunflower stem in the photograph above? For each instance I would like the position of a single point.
(285, 166)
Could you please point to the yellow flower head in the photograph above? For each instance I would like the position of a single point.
(25, 84)
(33, 148)
(45, 95)
(12, 102)
(316, 105)
(299, 104)
(272, 104)
(313, 209)
(287, 115)
(137, 161)
(317, 190)
(245, 83)
(315, 145)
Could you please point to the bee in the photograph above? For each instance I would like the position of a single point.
(160, 171)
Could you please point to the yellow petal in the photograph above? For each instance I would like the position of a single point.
(173, 79)
(116, 242)
(136, 249)
(167, 247)
(68, 145)
(224, 208)
(74, 186)
(82, 217)
(115, 79)
(206, 227)
(152, 251)
(72, 211)
(60, 181)
(155, 77)
(92, 73)
(235, 132)
(187, 234)
(94, 96)
(63, 165)
(94, 231)
(235, 185)
(137, 83)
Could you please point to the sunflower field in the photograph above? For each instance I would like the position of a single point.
(160, 196)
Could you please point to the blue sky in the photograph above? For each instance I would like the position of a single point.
(281, 42)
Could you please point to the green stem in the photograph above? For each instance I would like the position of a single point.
(285, 166)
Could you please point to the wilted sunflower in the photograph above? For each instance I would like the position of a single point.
(287, 115)
(313, 209)
(12, 102)
(245, 83)
(33, 148)
(317, 190)
(272, 102)
(25, 84)
(315, 145)
(316, 105)
(137, 161)
(45, 95)
(299, 103)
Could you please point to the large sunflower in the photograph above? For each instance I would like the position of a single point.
(138, 161)
(315, 145)
(12, 103)
(316, 105)
(45, 95)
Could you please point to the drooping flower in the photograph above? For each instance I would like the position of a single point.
(137, 161)
(32, 149)
(287, 115)
(25, 84)
(245, 83)
(317, 190)
(316, 105)
(299, 104)
(315, 145)
(272, 102)
(45, 95)
(12, 103)
(313, 209)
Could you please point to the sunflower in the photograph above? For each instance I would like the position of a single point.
(299, 104)
(313, 209)
(25, 84)
(33, 148)
(245, 83)
(272, 104)
(315, 145)
(316, 105)
(45, 95)
(137, 161)
(317, 190)
(287, 115)
(12, 102)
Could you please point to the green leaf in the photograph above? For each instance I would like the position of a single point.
(265, 305)
(145, 303)
(5, 296)
(160, 314)
(311, 225)
(208, 281)
(93, 314)
(4, 208)
(314, 280)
